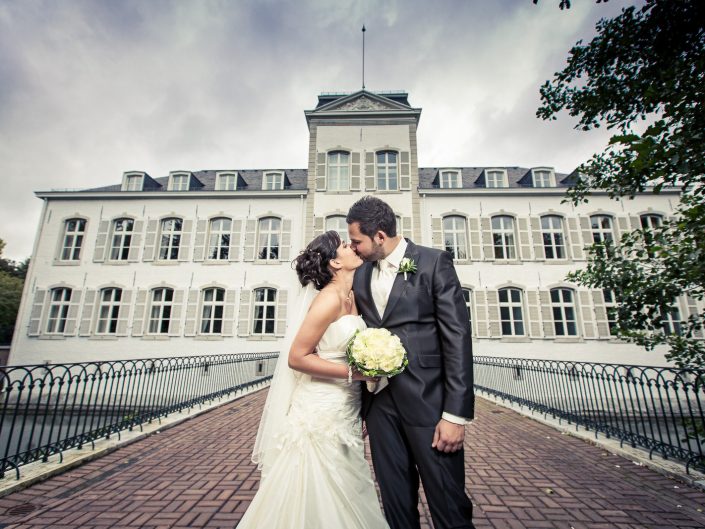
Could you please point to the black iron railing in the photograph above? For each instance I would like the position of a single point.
(47, 409)
(656, 408)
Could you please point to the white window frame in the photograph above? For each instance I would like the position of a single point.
(508, 311)
(387, 171)
(563, 308)
(547, 177)
(227, 182)
(160, 310)
(108, 313)
(57, 315)
(212, 311)
(269, 238)
(455, 236)
(601, 233)
(272, 180)
(671, 322)
(267, 318)
(450, 179)
(219, 233)
(170, 250)
(338, 171)
(72, 239)
(339, 224)
(467, 297)
(503, 237)
(553, 235)
(611, 307)
(179, 181)
(121, 239)
(650, 221)
(133, 182)
(499, 178)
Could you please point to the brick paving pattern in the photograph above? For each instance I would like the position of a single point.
(520, 474)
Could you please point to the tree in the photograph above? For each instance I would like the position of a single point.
(11, 282)
(643, 76)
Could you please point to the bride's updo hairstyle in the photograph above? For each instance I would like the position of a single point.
(312, 263)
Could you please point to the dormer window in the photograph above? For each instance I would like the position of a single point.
(496, 178)
(273, 181)
(450, 179)
(179, 182)
(132, 182)
(227, 182)
(543, 177)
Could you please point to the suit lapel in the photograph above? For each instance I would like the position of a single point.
(369, 300)
(400, 284)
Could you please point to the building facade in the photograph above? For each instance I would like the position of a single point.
(199, 262)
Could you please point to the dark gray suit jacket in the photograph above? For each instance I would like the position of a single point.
(428, 313)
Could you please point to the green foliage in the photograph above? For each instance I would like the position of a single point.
(11, 281)
(643, 76)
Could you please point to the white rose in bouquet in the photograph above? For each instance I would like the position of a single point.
(377, 353)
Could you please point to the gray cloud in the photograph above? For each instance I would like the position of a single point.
(89, 89)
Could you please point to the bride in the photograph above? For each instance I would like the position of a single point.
(309, 445)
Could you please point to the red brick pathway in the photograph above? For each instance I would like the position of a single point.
(520, 474)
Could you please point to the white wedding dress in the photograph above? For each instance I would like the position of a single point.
(320, 478)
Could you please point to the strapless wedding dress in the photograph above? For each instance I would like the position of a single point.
(321, 479)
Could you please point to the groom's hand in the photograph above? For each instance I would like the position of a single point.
(448, 436)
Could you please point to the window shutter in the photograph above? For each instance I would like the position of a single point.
(576, 244)
(139, 316)
(101, 241)
(285, 241)
(586, 229)
(532, 297)
(199, 245)
(176, 310)
(588, 315)
(537, 235)
(487, 245)
(524, 239)
(72, 316)
(319, 224)
(250, 233)
(623, 226)
(406, 227)
(635, 222)
(603, 329)
(404, 171)
(280, 324)
(150, 240)
(229, 312)
(124, 313)
(321, 172)
(370, 177)
(185, 242)
(133, 254)
(475, 239)
(192, 316)
(493, 313)
(549, 330)
(35, 317)
(437, 232)
(235, 235)
(480, 315)
(243, 327)
(87, 313)
(355, 177)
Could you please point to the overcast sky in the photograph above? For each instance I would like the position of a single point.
(90, 89)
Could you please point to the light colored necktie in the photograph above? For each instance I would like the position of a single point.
(383, 285)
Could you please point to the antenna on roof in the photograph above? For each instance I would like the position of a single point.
(363, 56)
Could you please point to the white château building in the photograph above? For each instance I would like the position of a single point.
(198, 262)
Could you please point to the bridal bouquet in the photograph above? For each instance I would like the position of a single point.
(377, 353)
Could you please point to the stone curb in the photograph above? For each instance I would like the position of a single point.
(669, 468)
(40, 471)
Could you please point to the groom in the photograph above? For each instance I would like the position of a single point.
(417, 423)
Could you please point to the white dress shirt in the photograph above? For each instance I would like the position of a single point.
(383, 277)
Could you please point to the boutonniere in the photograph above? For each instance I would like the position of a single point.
(407, 266)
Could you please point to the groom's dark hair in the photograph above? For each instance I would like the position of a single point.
(373, 215)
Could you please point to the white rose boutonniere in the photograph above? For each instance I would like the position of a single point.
(407, 266)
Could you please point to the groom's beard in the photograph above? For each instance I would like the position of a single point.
(376, 255)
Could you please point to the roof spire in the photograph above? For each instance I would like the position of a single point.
(363, 56)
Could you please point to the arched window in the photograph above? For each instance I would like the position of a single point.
(651, 221)
(170, 239)
(108, 310)
(212, 307)
(503, 237)
(387, 171)
(121, 239)
(74, 230)
(269, 229)
(338, 223)
(553, 238)
(59, 301)
(160, 310)
(511, 312)
(603, 231)
(450, 179)
(563, 306)
(219, 238)
(455, 236)
(338, 171)
(265, 311)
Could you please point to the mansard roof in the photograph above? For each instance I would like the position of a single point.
(474, 177)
